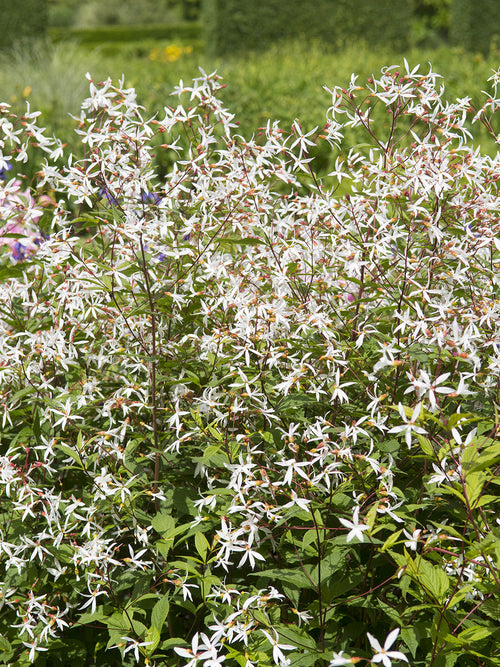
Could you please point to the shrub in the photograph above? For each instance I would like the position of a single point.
(249, 415)
(232, 26)
(431, 21)
(475, 26)
(22, 21)
(104, 35)
(113, 12)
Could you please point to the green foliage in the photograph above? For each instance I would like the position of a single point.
(191, 9)
(232, 26)
(475, 25)
(22, 21)
(431, 22)
(114, 12)
(100, 35)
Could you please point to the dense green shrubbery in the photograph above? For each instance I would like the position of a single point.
(431, 21)
(249, 416)
(104, 35)
(22, 21)
(232, 26)
(475, 25)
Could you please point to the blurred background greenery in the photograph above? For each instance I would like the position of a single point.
(273, 58)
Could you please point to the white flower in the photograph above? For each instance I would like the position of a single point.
(338, 660)
(134, 646)
(278, 655)
(383, 655)
(412, 539)
(355, 528)
(409, 425)
(92, 601)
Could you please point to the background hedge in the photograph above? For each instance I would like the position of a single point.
(126, 33)
(22, 21)
(232, 25)
(475, 24)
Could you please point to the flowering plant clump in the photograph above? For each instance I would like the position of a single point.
(249, 417)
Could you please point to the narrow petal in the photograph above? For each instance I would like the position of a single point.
(391, 638)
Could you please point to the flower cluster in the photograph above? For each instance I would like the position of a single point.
(248, 414)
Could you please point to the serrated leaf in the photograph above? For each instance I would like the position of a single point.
(486, 500)
(474, 483)
(460, 595)
(474, 634)
(4, 644)
(433, 577)
(491, 608)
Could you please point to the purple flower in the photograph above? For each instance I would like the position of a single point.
(150, 197)
(18, 251)
(4, 170)
(107, 195)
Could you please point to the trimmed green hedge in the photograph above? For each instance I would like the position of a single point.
(127, 33)
(232, 25)
(22, 21)
(475, 24)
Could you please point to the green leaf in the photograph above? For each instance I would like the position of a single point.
(392, 539)
(372, 515)
(451, 491)
(69, 451)
(433, 577)
(412, 636)
(160, 612)
(488, 457)
(290, 634)
(458, 417)
(296, 401)
(152, 636)
(310, 538)
(486, 500)
(474, 482)
(460, 595)
(163, 523)
(474, 634)
(425, 444)
(306, 659)
(445, 659)
(36, 426)
(292, 576)
(202, 545)
(5, 646)
(491, 608)
(88, 617)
